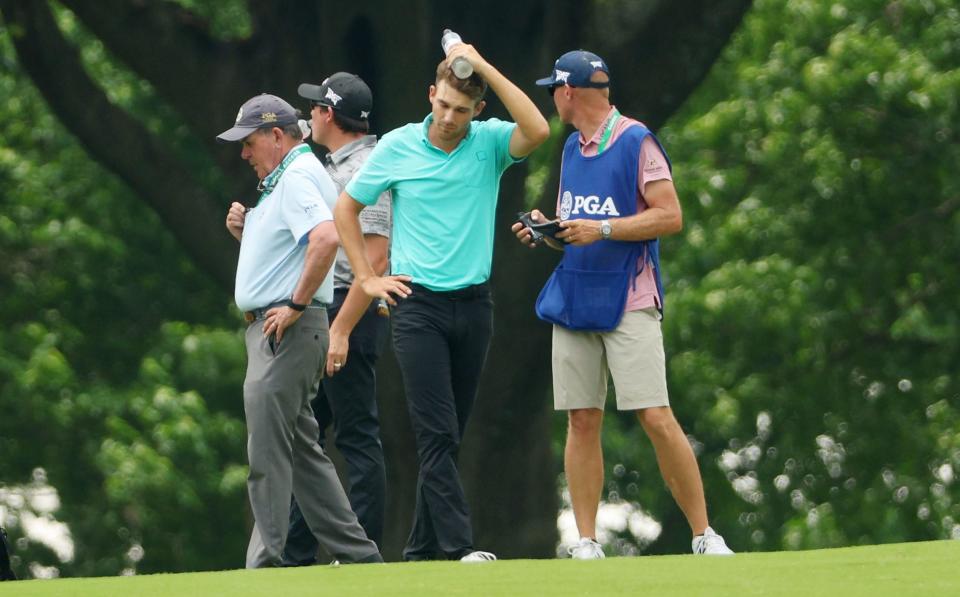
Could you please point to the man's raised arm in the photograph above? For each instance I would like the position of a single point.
(532, 128)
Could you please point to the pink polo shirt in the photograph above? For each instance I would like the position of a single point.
(651, 166)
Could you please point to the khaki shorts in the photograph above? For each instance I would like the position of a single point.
(633, 353)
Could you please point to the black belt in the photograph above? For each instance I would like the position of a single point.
(255, 314)
(460, 294)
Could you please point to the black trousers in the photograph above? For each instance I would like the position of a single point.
(441, 341)
(348, 401)
(6, 572)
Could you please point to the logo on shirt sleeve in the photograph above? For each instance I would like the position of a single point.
(653, 166)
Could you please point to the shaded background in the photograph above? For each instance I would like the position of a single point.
(812, 311)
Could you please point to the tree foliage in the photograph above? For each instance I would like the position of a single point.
(812, 321)
(132, 417)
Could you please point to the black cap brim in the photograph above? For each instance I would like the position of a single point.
(312, 92)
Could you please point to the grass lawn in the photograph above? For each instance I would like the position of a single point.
(902, 569)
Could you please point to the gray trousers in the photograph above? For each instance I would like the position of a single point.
(282, 447)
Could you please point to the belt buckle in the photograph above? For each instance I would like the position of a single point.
(249, 316)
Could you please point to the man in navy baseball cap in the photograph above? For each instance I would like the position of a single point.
(613, 156)
(575, 69)
(261, 111)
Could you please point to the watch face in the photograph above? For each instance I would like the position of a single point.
(605, 229)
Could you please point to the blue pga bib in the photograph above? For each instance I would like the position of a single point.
(588, 289)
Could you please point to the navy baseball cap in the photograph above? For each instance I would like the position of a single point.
(344, 92)
(262, 111)
(575, 69)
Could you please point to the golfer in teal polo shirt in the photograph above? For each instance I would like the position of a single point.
(444, 174)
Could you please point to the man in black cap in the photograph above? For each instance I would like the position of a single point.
(605, 298)
(340, 111)
(287, 244)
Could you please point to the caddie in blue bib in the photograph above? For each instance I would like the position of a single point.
(588, 289)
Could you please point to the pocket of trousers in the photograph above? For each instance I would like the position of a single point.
(272, 344)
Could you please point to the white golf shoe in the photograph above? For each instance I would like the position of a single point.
(586, 549)
(478, 556)
(710, 544)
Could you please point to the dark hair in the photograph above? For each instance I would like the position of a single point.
(347, 124)
(473, 86)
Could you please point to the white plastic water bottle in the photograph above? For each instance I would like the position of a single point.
(305, 129)
(461, 68)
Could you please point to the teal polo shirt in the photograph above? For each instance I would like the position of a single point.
(443, 204)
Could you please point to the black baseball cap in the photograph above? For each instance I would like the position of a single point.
(344, 92)
(575, 69)
(262, 111)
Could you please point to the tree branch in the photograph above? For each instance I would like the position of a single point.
(194, 217)
(164, 50)
(921, 217)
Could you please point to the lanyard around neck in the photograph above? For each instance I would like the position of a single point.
(270, 182)
(608, 131)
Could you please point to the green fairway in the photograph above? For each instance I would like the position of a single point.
(917, 568)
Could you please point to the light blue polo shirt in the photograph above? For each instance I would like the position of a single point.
(443, 204)
(275, 236)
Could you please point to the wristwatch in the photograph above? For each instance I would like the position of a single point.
(605, 229)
